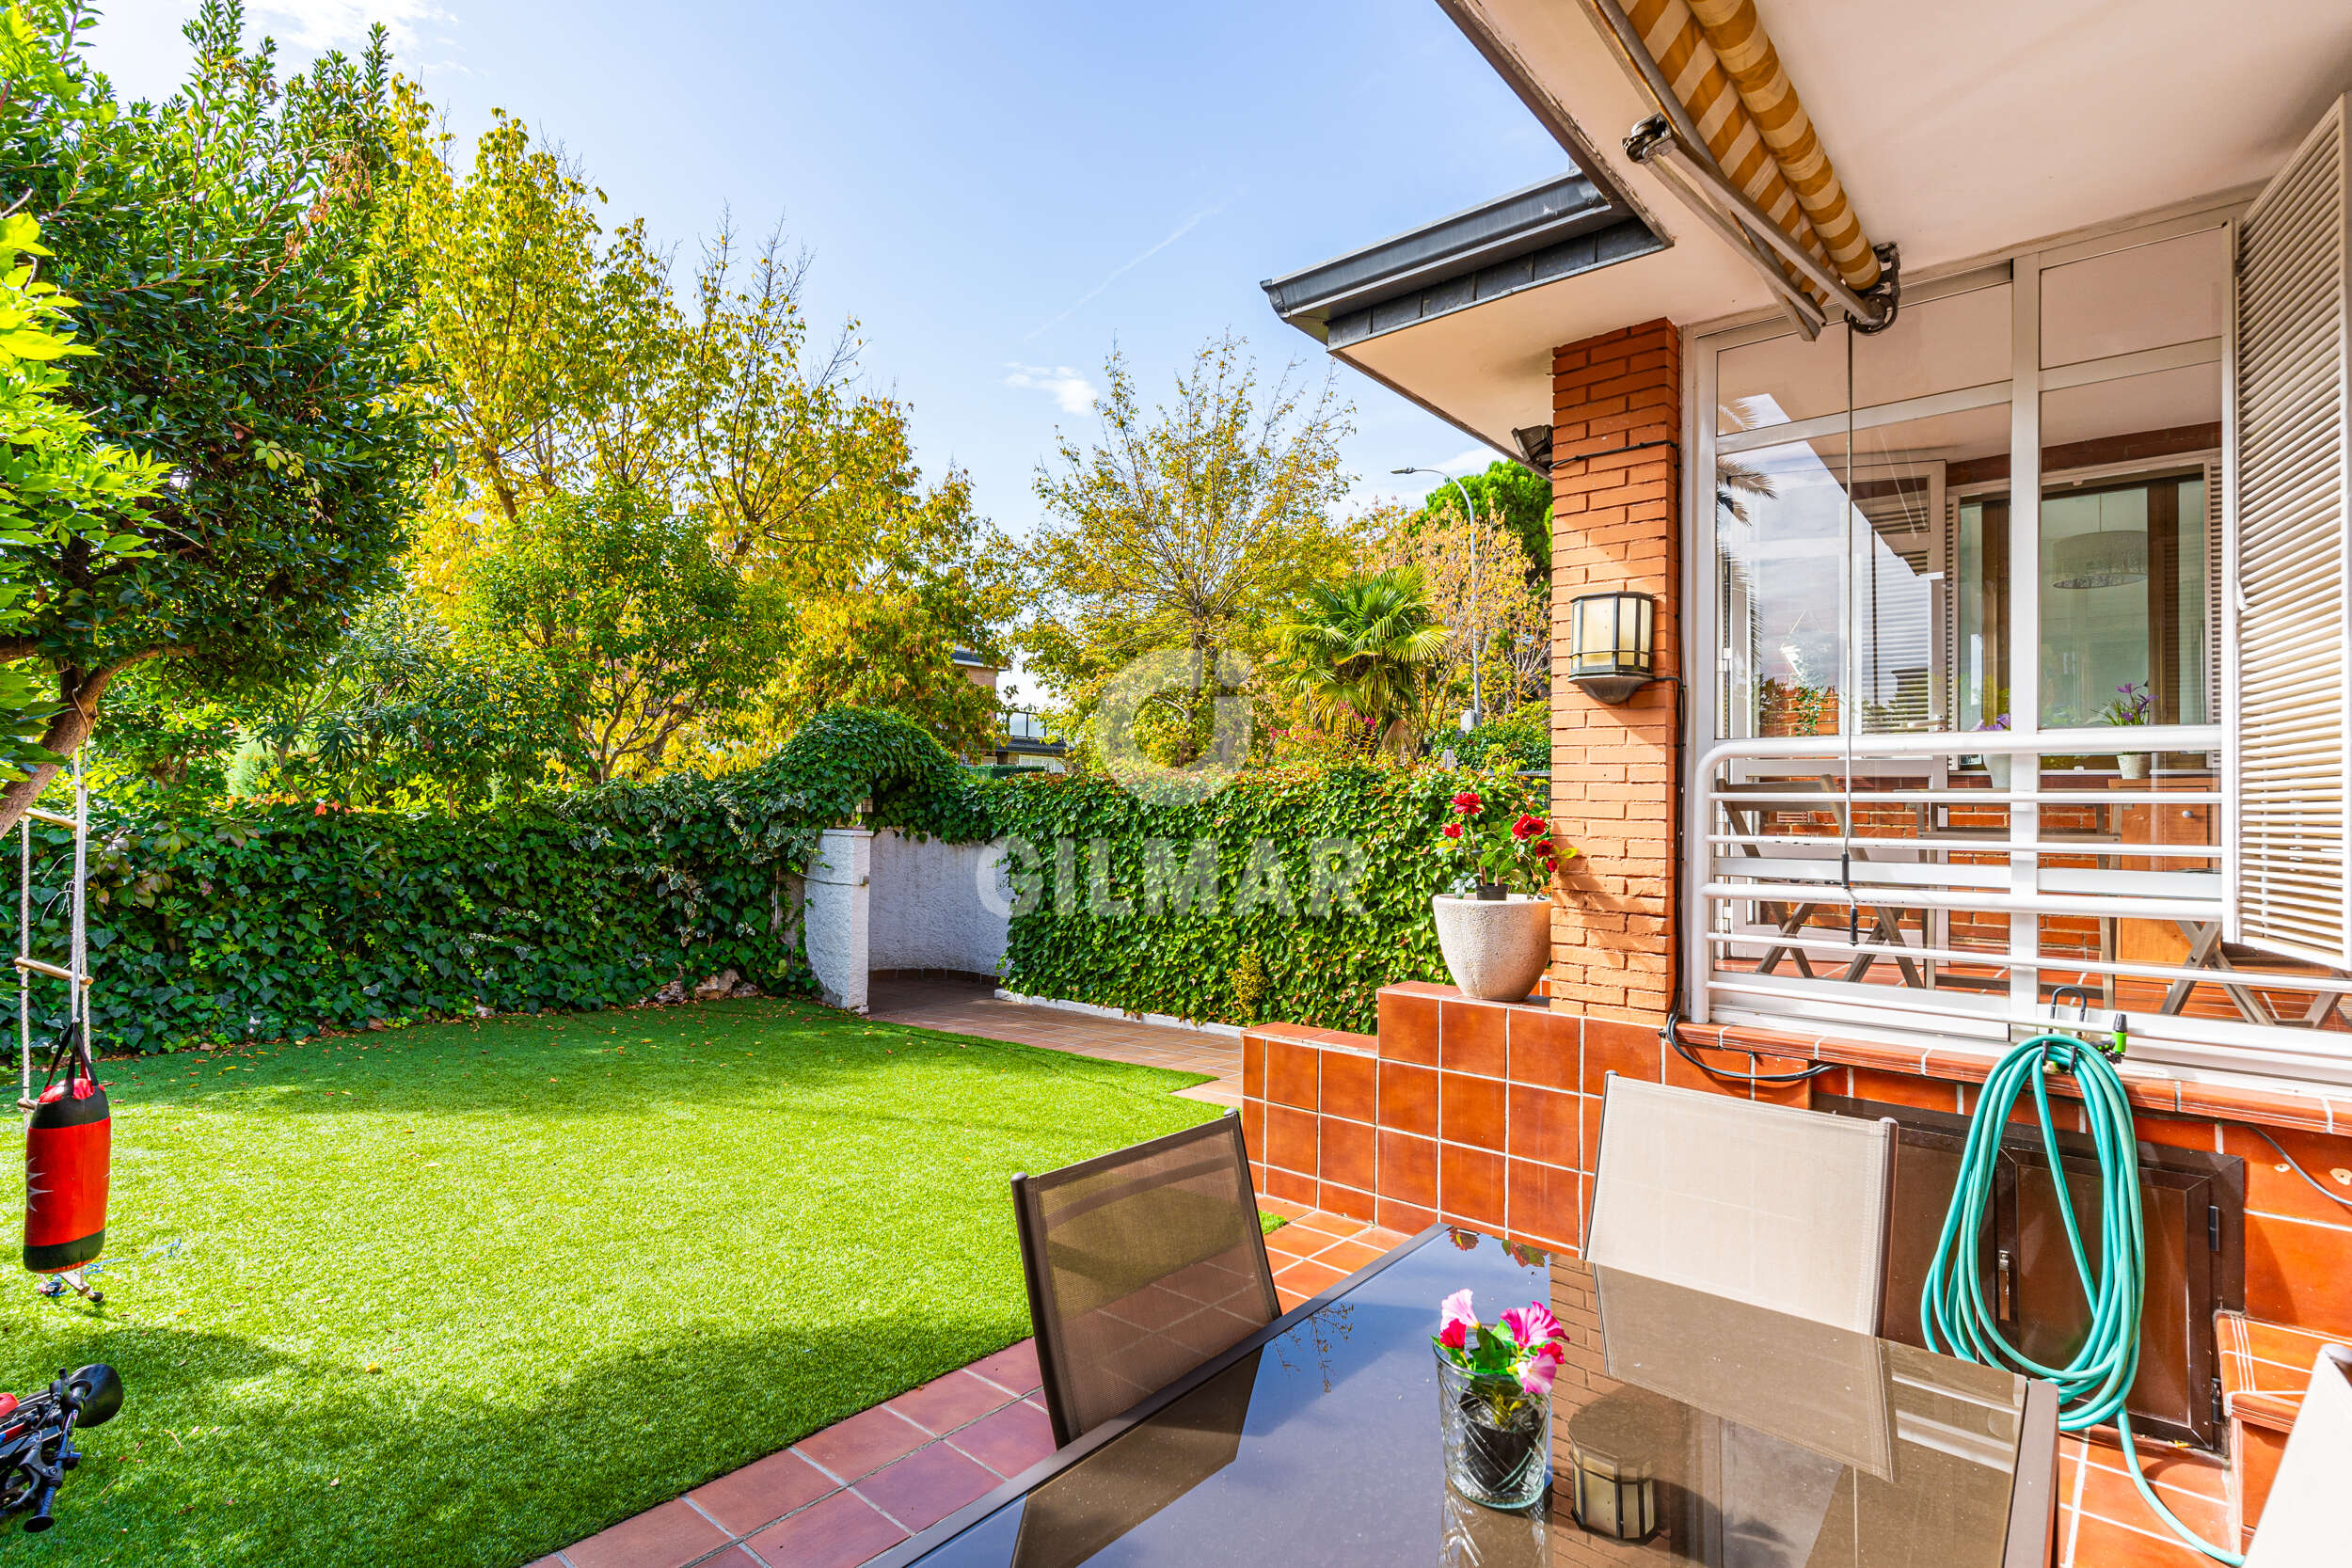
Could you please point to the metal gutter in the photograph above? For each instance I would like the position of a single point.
(1550, 230)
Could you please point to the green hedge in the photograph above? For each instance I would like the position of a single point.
(282, 920)
(1088, 846)
(1525, 731)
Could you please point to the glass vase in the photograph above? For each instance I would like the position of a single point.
(1498, 1436)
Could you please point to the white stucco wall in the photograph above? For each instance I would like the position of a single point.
(932, 907)
(839, 898)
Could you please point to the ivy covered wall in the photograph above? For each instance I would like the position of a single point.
(1289, 895)
(282, 920)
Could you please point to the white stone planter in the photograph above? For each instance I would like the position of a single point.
(1495, 950)
(2132, 765)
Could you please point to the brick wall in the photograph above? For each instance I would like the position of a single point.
(1616, 432)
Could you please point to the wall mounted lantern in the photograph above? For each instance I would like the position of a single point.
(1610, 647)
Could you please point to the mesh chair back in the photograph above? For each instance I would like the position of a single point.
(2303, 1521)
(1783, 1208)
(1141, 1264)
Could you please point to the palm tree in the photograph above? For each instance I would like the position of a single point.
(1355, 650)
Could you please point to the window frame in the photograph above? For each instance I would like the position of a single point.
(2020, 268)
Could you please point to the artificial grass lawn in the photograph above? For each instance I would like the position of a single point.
(466, 1292)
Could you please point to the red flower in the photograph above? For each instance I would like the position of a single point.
(1453, 830)
(1526, 827)
(1467, 802)
(1544, 848)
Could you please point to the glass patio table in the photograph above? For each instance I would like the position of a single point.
(1765, 1441)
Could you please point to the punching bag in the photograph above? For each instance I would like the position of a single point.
(66, 1149)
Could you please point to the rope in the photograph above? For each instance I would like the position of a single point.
(24, 976)
(1953, 1312)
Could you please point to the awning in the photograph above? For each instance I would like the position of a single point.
(1728, 87)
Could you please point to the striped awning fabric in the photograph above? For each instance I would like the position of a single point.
(1722, 66)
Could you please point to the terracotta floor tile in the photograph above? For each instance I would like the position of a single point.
(669, 1536)
(761, 1492)
(927, 1485)
(1311, 1277)
(949, 1403)
(839, 1532)
(2181, 1469)
(1348, 1255)
(1318, 1226)
(1386, 1241)
(1009, 1441)
(1290, 1298)
(1014, 1368)
(2110, 1495)
(2098, 1544)
(1291, 1242)
(865, 1442)
(1283, 1207)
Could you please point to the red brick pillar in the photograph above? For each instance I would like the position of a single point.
(1617, 524)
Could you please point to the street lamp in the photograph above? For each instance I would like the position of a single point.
(1477, 714)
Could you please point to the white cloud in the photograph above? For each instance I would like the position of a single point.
(1071, 389)
(1471, 462)
(319, 25)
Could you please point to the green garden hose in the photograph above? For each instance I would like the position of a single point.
(1953, 1311)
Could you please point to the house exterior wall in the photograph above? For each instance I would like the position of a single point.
(1616, 525)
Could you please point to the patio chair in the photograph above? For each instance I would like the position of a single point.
(1782, 1207)
(1141, 1264)
(2303, 1521)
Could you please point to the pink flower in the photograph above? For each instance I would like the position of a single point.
(1468, 801)
(1537, 1370)
(1455, 1335)
(1533, 1325)
(1456, 1310)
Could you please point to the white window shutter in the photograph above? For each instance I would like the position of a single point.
(2294, 605)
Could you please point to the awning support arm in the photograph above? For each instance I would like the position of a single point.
(1800, 307)
(1673, 140)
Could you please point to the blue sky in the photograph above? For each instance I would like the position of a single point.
(993, 192)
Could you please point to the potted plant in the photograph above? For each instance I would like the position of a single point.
(1493, 1400)
(2133, 704)
(1497, 942)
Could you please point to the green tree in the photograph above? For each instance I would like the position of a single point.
(1359, 650)
(1510, 496)
(249, 337)
(638, 627)
(1187, 525)
(809, 484)
(550, 345)
(564, 365)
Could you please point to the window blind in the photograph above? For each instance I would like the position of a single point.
(2293, 700)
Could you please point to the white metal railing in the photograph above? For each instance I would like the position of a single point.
(1870, 884)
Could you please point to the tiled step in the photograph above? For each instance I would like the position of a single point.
(2265, 1368)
